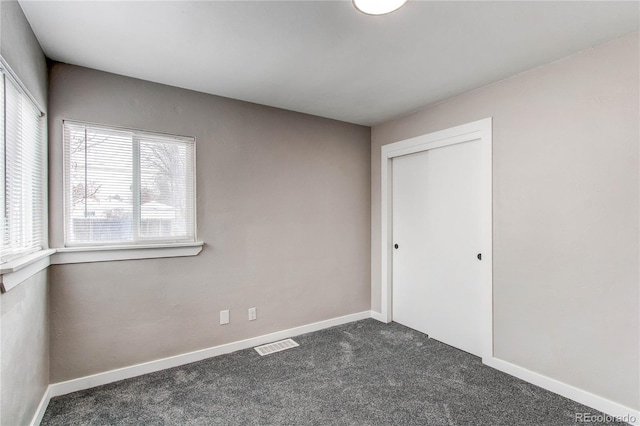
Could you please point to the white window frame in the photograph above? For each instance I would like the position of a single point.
(24, 266)
(96, 252)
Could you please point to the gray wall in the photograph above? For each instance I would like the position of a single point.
(24, 358)
(24, 327)
(283, 207)
(20, 48)
(565, 214)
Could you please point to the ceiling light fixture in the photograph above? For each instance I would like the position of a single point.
(378, 7)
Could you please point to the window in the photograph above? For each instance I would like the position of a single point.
(127, 187)
(22, 170)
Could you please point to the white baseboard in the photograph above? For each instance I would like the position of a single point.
(378, 317)
(99, 379)
(42, 407)
(583, 397)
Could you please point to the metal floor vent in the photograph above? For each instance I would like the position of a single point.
(270, 348)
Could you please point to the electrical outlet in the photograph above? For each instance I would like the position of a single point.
(224, 317)
(252, 314)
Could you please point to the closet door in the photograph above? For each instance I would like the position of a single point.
(437, 240)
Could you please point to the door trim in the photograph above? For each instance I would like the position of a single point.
(477, 130)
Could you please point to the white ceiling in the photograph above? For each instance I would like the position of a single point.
(324, 58)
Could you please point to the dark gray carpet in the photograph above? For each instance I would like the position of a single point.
(363, 373)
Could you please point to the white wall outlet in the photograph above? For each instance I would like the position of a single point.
(252, 314)
(224, 317)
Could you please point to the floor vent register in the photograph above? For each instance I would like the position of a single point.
(274, 347)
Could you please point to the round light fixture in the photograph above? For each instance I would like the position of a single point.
(378, 7)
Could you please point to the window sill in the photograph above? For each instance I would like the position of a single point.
(16, 271)
(112, 253)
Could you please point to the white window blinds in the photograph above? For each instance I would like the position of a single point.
(22, 171)
(127, 187)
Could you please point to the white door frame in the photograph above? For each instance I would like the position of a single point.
(477, 130)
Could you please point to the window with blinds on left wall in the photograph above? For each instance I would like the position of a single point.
(22, 171)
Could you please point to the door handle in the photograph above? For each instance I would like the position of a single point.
(395, 246)
(479, 256)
